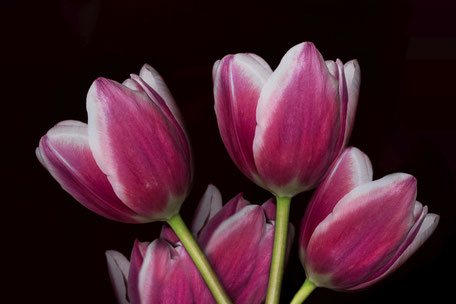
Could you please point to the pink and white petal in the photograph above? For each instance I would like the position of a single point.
(133, 85)
(64, 151)
(425, 229)
(352, 169)
(236, 204)
(129, 137)
(364, 230)
(176, 121)
(162, 279)
(238, 82)
(136, 262)
(209, 205)
(254, 291)
(118, 267)
(298, 122)
(157, 83)
(353, 78)
(233, 248)
(343, 100)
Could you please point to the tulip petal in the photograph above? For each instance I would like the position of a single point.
(136, 262)
(234, 205)
(421, 231)
(162, 278)
(238, 80)
(209, 205)
(168, 234)
(365, 228)
(353, 77)
(298, 122)
(157, 83)
(118, 267)
(138, 149)
(343, 99)
(352, 169)
(64, 151)
(241, 235)
(269, 208)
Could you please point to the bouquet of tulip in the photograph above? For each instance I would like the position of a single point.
(287, 130)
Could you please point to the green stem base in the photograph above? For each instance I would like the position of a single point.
(200, 260)
(302, 294)
(278, 253)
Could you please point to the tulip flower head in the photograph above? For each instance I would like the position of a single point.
(357, 231)
(132, 161)
(237, 240)
(284, 128)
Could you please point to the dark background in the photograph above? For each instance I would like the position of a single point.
(51, 51)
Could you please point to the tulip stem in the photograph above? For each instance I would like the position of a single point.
(305, 290)
(278, 253)
(200, 260)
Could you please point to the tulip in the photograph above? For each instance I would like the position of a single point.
(132, 161)
(237, 240)
(357, 231)
(283, 129)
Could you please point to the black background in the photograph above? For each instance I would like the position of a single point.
(51, 51)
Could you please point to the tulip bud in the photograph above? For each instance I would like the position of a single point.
(237, 240)
(283, 129)
(132, 161)
(357, 231)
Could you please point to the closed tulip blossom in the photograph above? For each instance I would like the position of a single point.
(237, 240)
(356, 231)
(132, 161)
(284, 128)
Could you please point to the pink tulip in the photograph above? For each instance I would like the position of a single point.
(357, 231)
(132, 161)
(237, 239)
(283, 129)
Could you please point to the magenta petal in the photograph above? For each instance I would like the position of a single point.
(64, 151)
(162, 278)
(352, 168)
(138, 148)
(167, 233)
(136, 262)
(269, 208)
(238, 80)
(343, 99)
(118, 267)
(353, 78)
(209, 205)
(365, 228)
(241, 236)
(234, 205)
(298, 122)
(421, 231)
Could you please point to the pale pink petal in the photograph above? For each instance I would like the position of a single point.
(298, 122)
(364, 230)
(118, 267)
(64, 151)
(238, 80)
(343, 100)
(138, 149)
(209, 205)
(353, 78)
(352, 168)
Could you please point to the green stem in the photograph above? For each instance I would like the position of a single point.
(200, 260)
(302, 294)
(278, 253)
